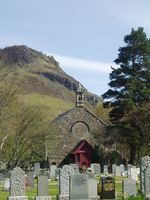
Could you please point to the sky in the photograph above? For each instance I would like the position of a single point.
(83, 35)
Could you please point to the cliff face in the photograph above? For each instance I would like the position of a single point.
(43, 75)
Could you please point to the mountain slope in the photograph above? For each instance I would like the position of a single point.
(45, 80)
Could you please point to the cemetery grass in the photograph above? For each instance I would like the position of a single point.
(31, 192)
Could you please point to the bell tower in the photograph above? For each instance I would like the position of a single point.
(79, 96)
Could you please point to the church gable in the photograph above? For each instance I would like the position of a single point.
(74, 126)
(78, 119)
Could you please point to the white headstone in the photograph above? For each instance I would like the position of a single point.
(134, 172)
(96, 168)
(6, 183)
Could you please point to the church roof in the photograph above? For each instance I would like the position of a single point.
(82, 109)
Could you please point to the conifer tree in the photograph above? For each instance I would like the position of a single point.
(130, 82)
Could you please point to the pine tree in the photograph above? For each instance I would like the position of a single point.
(130, 82)
(130, 92)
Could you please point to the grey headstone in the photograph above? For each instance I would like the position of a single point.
(36, 166)
(37, 169)
(96, 168)
(65, 172)
(31, 178)
(147, 182)
(129, 187)
(1, 176)
(113, 168)
(17, 184)
(144, 163)
(42, 186)
(92, 185)
(106, 169)
(79, 187)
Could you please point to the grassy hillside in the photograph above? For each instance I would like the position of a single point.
(45, 84)
(50, 106)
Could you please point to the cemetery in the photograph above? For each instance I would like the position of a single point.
(71, 184)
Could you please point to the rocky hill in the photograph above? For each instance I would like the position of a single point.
(46, 83)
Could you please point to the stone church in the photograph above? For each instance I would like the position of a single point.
(73, 134)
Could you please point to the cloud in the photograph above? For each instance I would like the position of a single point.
(84, 65)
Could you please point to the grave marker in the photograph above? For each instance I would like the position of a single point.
(129, 187)
(107, 188)
(64, 175)
(147, 182)
(79, 187)
(42, 188)
(17, 185)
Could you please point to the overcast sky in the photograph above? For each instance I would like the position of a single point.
(83, 35)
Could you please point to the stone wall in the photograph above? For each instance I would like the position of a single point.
(71, 127)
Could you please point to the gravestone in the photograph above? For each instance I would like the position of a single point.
(129, 187)
(30, 179)
(105, 169)
(37, 169)
(129, 166)
(92, 186)
(42, 188)
(17, 185)
(36, 166)
(118, 171)
(144, 163)
(57, 171)
(134, 172)
(96, 168)
(79, 187)
(52, 170)
(64, 175)
(147, 182)
(122, 168)
(107, 188)
(1, 176)
(6, 183)
(113, 168)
